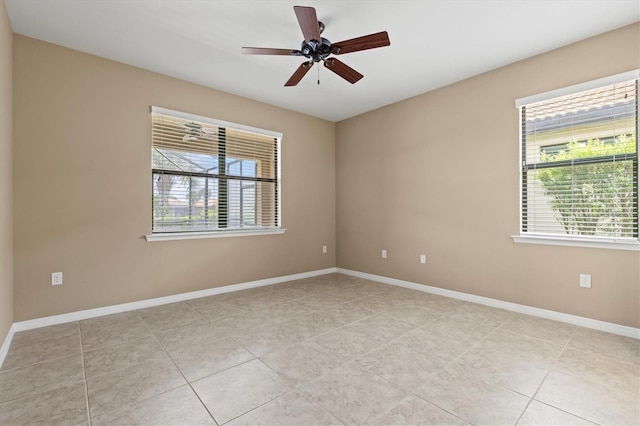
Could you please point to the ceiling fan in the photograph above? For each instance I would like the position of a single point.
(193, 131)
(317, 48)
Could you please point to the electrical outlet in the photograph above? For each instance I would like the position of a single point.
(384, 254)
(423, 258)
(585, 280)
(324, 249)
(56, 278)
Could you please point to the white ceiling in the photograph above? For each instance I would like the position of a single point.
(433, 42)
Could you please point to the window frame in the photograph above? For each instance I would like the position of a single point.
(222, 176)
(616, 243)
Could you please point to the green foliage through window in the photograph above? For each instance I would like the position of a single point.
(580, 161)
(597, 197)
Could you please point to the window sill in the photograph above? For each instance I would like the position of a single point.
(166, 236)
(601, 243)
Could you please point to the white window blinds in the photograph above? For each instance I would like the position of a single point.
(580, 163)
(210, 175)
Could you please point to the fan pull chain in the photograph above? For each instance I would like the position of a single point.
(319, 75)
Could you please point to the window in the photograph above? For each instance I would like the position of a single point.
(210, 175)
(579, 162)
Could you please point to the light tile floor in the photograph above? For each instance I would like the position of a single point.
(327, 350)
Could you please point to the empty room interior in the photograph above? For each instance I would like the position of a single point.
(426, 214)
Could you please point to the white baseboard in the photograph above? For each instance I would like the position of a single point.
(4, 349)
(114, 309)
(132, 306)
(147, 303)
(609, 327)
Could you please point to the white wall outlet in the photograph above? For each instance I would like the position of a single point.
(384, 254)
(324, 249)
(56, 278)
(423, 258)
(585, 280)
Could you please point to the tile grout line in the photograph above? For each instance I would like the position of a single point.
(84, 375)
(14, 345)
(601, 354)
(35, 363)
(11, 370)
(263, 404)
(119, 344)
(351, 361)
(450, 363)
(319, 334)
(474, 345)
(439, 407)
(535, 393)
(498, 328)
(553, 365)
(258, 358)
(182, 374)
(297, 386)
(151, 334)
(531, 398)
(122, 368)
(553, 368)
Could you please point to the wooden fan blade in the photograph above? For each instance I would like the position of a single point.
(370, 41)
(308, 21)
(269, 51)
(300, 72)
(343, 70)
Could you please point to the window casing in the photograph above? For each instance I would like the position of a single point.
(211, 176)
(579, 163)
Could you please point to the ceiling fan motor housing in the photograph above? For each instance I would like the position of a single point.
(316, 51)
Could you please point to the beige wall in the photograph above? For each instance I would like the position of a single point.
(438, 175)
(410, 179)
(6, 197)
(83, 187)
